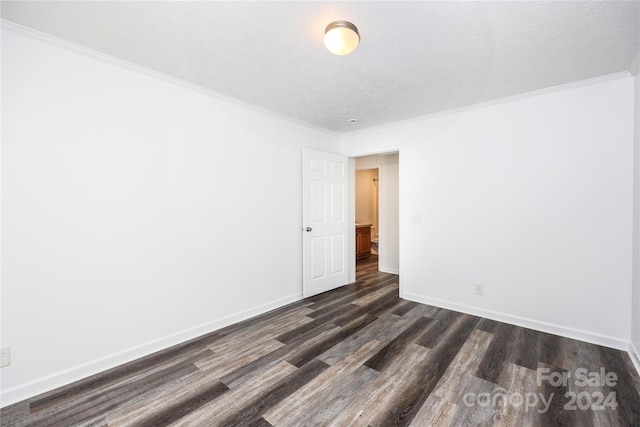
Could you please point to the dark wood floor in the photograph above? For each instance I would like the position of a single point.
(358, 355)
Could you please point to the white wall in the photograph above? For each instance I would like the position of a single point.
(635, 300)
(136, 212)
(531, 197)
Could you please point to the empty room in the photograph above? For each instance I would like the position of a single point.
(318, 213)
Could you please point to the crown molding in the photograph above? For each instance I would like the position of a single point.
(498, 101)
(47, 38)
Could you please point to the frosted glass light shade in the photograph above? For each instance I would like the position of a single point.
(341, 37)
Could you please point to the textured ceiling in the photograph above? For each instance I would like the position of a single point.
(415, 58)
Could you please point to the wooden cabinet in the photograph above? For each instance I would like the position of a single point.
(363, 240)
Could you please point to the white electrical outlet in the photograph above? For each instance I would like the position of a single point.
(5, 356)
(479, 289)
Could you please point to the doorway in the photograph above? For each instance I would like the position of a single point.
(367, 218)
(376, 205)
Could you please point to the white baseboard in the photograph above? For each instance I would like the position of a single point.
(41, 385)
(634, 355)
(565, 331)
(388, 270)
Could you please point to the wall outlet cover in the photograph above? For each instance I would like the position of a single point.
(5, 356)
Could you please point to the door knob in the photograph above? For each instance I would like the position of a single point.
(309, 229)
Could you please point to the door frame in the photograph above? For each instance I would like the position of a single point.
(352, 207)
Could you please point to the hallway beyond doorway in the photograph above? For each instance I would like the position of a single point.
(367, 268)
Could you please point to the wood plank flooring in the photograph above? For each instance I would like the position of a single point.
(355, 356)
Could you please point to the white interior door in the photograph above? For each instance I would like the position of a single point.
(324, 216)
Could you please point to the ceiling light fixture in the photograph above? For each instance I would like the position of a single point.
(341, 37)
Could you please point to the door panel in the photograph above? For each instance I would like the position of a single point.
(318, 197)
(337, 252)
(318, 255)
(324, 207)
(337, 202)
